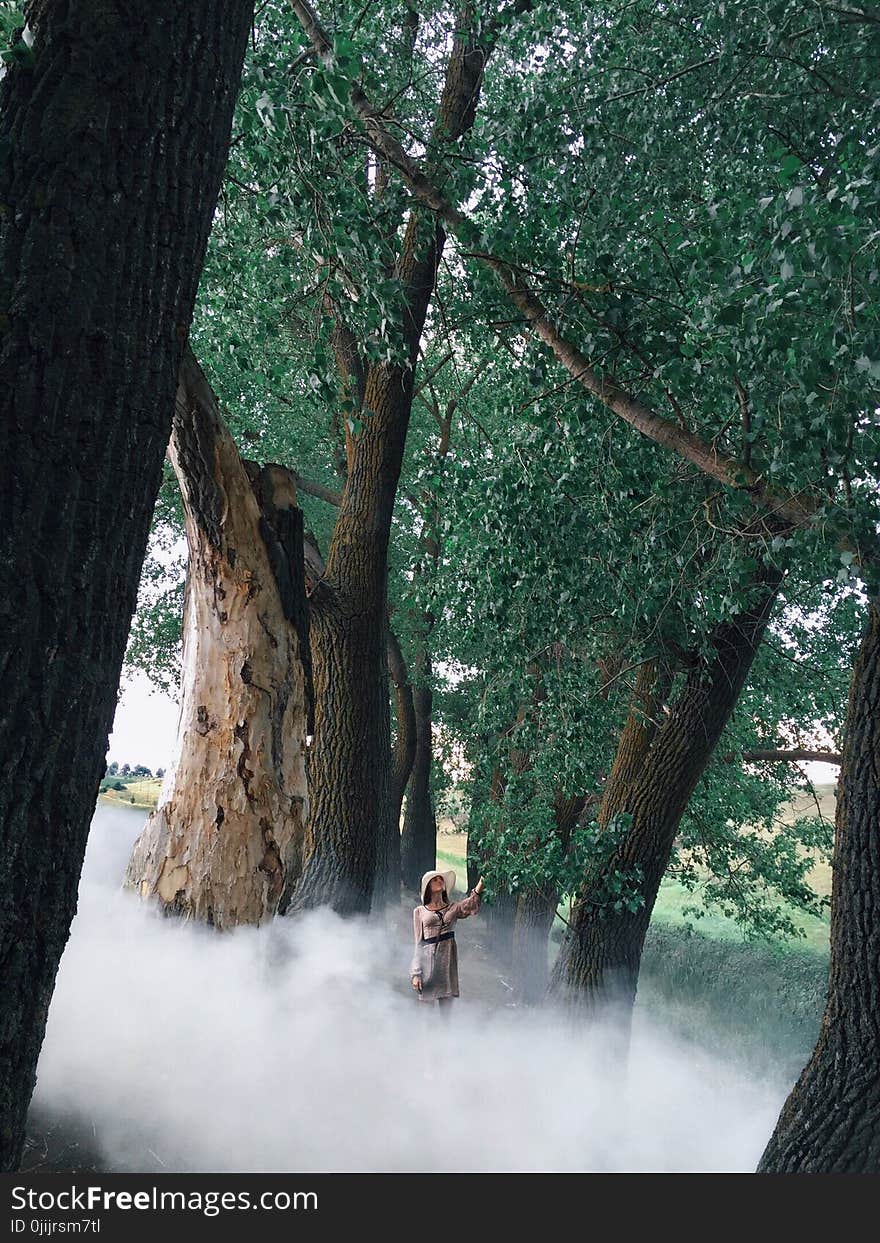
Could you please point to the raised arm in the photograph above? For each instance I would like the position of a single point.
(469, 905)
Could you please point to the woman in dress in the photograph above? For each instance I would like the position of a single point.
(434, 970)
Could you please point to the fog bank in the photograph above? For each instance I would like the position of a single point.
(300, 1047)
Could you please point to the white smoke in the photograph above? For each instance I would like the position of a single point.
(300, 1047)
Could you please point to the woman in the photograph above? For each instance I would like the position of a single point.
(434, 969)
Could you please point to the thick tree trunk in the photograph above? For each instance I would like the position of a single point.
(114, 134)
(349, 773)
(599, 960)
(830, 1123)
(418, 843)
(350, 766)
(226, 841)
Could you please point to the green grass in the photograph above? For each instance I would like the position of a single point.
(756, 1003)
(673, 898)
(141, 792)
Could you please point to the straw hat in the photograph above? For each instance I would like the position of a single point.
(448, 882)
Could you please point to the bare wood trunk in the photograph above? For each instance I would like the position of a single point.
(830, 1123)
(226, 840)
(599, 960)
(114, 136)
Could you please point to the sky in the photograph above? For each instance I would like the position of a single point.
(145, 725)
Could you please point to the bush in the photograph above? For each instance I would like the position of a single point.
(752, 1002)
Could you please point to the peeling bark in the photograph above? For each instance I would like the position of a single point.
(226, 841)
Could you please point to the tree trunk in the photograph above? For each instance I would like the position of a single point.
(349, 775)
(830, 1123)
(418, 844)
(389, 872)
(226, 841)
(599, 960)
(350, 769)
(535, 912)
(649, 694)
(114, 132)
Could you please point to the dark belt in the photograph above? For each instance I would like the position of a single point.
(444, 936)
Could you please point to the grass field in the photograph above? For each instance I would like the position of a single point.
(142, 792)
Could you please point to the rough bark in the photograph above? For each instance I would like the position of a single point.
(418, 843)
(349, 771)
(350, 763)
(114, 133)
(599, 960)
(225, 843)
(639, 731)
(830, 1123)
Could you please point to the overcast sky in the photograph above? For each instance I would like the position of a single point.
(145, 726)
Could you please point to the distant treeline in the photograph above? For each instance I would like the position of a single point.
(132, 773)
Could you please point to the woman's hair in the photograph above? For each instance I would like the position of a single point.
(426, 895)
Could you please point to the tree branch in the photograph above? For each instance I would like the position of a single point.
(318, 490)
(788, 757)
(789, 509)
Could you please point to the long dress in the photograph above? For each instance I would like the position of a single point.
(435, 955)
